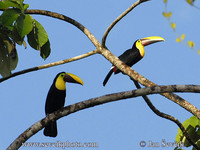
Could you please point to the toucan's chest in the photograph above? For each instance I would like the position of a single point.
(55, 99)
(131, 56)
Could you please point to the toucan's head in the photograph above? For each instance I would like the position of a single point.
(139, 44)
(63, 77)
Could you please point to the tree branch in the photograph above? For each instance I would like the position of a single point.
(166, 116)
(118, 19)
(108, 55)
(114, 60)
(97, 101)
(144, 81)
(66, 19)
(50, 65)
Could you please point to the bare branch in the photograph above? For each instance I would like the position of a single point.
(97, 101)
(144, 81)
(118, 19)
(166, 116)
(50, 65)
(69, 20)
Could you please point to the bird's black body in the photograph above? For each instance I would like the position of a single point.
(133, 55)
(129, 57)
(55, 100)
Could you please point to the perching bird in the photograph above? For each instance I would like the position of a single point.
(56, 98)
(133, 55)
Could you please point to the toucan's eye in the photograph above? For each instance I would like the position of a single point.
(62, 75)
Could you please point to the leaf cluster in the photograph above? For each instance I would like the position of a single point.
(179, 38)
(192, 127)
(15, 25)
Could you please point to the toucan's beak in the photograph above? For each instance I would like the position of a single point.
(150, 40)
(69, 77)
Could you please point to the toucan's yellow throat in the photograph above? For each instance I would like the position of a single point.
(66, 77)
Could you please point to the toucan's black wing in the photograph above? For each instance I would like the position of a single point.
(129, 57)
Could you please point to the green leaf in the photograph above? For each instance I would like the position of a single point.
(45, 50)
(20, 5)
(40, 34)
(18, 1)
(10, 3)
(198, 144)
(8, 57)
(192, 127)
(4, 67)
(9, 17)
(3, 5)
(24, 24)
(32, 40)
(38, 39)
(26, 6)
(13, 57)
(16, 37)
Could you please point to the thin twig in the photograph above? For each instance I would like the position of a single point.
(94, 102)
(166, 116)
(49, 65)
(118, 19)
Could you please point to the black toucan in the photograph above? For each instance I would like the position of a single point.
(133, 55)
(56, 98)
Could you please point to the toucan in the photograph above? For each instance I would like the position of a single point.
(56, 98)
(133, 55)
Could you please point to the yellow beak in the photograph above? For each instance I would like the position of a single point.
(150, 40)
(69, 77)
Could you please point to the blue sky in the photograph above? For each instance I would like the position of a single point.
(117, 125)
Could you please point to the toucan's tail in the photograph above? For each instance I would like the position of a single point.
(51, 129)
(108, 76)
